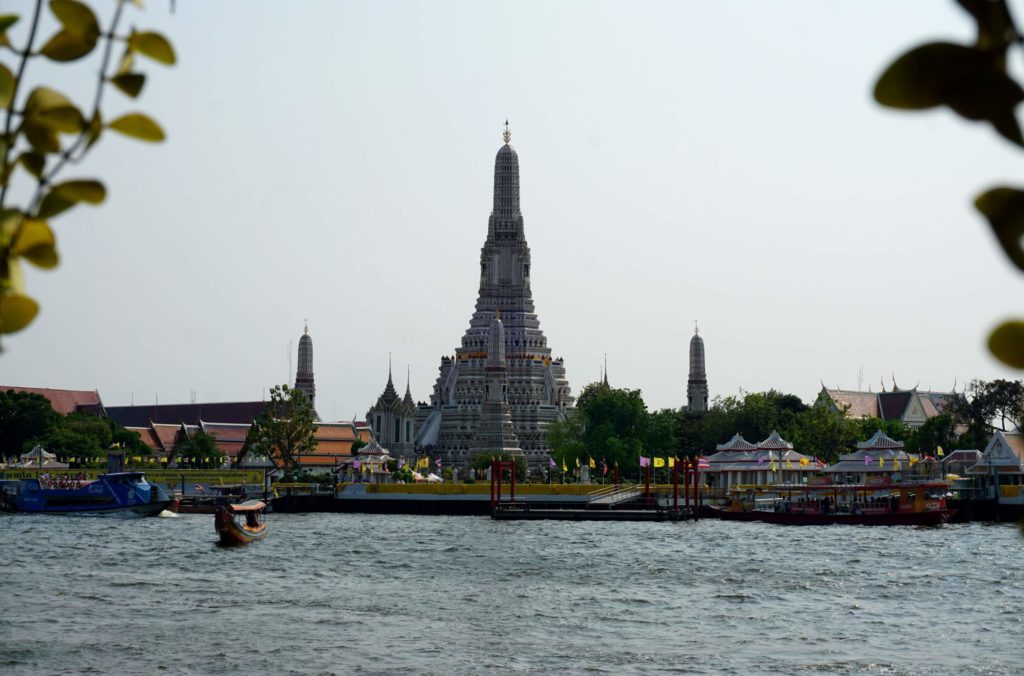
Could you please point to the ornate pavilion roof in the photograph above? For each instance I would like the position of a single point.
(879, 441)
(774, 443)
(737, 443)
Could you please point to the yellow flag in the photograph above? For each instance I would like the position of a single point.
(577, 462)
(659, 462)
(805, 462)
(592, 463)
(940, 452)
(671, 462)
(913, 460)
(771, 465)
(564, 468)
(789, 463)
(895, 464)
(881, 463)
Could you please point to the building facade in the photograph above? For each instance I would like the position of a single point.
(537, 390)
(393, 419)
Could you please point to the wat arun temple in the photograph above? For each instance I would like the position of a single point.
(502, 388)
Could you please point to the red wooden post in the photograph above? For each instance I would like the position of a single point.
(696, 485)
(496, 467)
(686, 483)
(616, 475)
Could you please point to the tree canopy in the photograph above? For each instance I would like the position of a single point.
(28, 419)
(285, 429)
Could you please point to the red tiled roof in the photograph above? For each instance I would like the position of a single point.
(148, 437)
(168, 435)
(65, 401)
(226, 432)
(861, 404)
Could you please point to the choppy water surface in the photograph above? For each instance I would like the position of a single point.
(378, 593)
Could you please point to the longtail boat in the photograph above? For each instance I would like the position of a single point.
(242, 523)
(916, 504)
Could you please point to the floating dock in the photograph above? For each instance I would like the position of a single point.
(526, 512)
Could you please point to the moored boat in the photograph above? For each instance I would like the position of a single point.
(251, 528)
(918, 504)
(118, 492)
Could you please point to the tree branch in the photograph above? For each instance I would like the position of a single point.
(68, 154)
(25, 54)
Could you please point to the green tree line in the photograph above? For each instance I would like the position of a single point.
(28, 419)
(614, 425)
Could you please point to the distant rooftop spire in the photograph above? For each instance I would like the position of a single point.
(507, 135)
(305, 330)
(605, 372)
(696, 328)
(408, 392)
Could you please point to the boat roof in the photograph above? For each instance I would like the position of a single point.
(248, 506)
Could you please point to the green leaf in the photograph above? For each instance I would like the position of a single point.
(44, 98)
(969, 80)
(77, 18)
(41, 137)
(1004, 209)
(67, 119)
(16, 312)
(6, 85)
(6, 21)
(34, 163)
(10, 219)
(127, 62)
(66, 195)
(130, 83)
(52, 110)
(66, 45)
(138, 126)
(1006, 342)
(924, 76)
(35, 242)
(153, 45)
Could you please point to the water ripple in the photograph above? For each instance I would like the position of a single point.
(377, 594)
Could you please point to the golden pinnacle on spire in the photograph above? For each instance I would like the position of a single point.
(507, 135)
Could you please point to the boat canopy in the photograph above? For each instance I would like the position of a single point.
(248, 506)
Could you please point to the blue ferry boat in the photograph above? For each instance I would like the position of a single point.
(118, 492)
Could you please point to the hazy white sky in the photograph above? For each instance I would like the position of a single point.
(679, 160)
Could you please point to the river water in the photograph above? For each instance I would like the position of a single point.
(379, 594)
